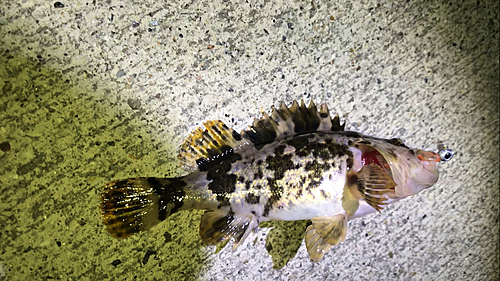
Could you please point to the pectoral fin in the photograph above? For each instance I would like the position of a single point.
(219, 226)
(372, 182)
(324, 233)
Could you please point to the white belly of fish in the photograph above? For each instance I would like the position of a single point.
(312, 204)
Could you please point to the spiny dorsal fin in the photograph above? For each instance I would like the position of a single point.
(208, 143)
(292, 120)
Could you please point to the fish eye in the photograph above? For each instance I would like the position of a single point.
(446, 154)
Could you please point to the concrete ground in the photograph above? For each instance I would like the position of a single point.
(94, 91)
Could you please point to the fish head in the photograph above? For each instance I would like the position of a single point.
(413, 170)
(418, 171)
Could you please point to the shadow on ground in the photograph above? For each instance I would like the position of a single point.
(67, 138)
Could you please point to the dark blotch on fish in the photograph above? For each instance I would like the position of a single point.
(280, 162)
(397, 142)
(316, 168)
(173, 192)
(325, 151)
(316, 171)
(252, 198)
(236, 136)
(276, 194)
(258, 174)
(217, 170)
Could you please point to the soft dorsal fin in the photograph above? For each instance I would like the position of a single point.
(215, 141)
(292, 120)
(209, 143)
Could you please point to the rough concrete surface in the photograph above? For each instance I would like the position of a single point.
(94, 91)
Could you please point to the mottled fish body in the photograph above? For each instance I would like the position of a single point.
(296, 164)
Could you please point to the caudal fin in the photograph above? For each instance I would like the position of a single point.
(134, 205)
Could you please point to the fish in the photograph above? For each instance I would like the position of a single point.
(296, 163)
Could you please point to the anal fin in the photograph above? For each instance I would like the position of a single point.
(324, 233)
(372, 182)
(219, 226)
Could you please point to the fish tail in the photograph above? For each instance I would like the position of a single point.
(137, 204)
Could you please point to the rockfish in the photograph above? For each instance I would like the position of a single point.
(297, 163)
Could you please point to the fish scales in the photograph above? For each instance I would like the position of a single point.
(296, 164)
(275, 181)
